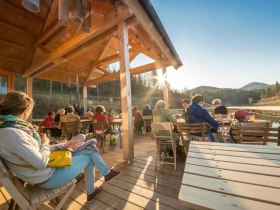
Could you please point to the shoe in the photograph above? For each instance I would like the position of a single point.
(111, 175)
(95, 193)
(79, 178)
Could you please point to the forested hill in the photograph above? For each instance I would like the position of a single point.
(255, 86)
(228, 96)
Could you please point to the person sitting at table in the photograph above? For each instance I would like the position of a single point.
(58, 115)
(186, 104)
(197, 114)
(148, 112)
(21, 145)
(49, 120)
(162, 114)
(138, 120)
(69, 117)
(219, 108)
(99, 116)
(88, 114)
(240, 116)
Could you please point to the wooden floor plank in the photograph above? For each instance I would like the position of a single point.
(151, 184)
(144, 192)
(131, 197)
(111, 199)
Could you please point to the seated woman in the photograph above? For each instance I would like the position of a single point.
(101, 117)
(161, 114)
(197, 114)
(219, 108)
(21, 145)
(138, 120)
(49, 120)
(58, 115)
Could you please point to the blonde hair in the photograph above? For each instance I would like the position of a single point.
(160, 104)
(15, 103)
(217, 102)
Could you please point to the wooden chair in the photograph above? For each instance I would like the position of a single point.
(147, 122)
(29, 197)
(85, 127)
(70, 129)
(189, 132)
(162, 140)
(255, 133)
(100, 136)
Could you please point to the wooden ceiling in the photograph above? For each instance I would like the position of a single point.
(37, 45)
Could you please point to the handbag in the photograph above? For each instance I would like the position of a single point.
(60, 159)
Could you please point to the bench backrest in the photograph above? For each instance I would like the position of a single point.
(187, 129)
(255, 133)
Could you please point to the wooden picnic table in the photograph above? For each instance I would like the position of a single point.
(231, 177)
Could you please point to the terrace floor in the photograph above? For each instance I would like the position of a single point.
(139, 186)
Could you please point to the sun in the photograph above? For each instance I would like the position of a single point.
(161, 79)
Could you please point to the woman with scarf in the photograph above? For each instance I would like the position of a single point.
(21, 145)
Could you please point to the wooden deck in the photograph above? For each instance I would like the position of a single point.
(139, 186)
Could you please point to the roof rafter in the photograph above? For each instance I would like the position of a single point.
(133, 71)
(103, 25)
(147, 24)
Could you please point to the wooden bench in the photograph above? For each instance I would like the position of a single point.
(189, 130)
(255, 133)
(29, 197)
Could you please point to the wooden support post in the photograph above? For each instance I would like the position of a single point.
(29, 87)
(85, 97)
(165, 87)
(77, 90)
(128, 147)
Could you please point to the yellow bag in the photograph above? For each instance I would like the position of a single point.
(60, 159)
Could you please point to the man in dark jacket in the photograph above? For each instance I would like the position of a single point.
(147, 111)
(197, 114)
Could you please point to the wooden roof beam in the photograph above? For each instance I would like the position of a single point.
(48, 32)
(133, 71)
(109, 21)
(150, 29)
(87, 46)
(15, 45)
(143, 45)
(100, 56)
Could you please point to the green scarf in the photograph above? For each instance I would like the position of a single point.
(10, 121)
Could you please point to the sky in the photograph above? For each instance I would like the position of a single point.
(222, 43)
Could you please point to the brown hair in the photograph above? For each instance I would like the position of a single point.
(15, 103)
(70, 109)
(99, 109)
(187, 101)
(197, 98)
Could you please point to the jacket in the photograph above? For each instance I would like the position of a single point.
(197, 114)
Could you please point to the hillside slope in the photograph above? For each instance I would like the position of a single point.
(255, 86)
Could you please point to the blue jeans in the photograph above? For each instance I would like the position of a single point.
(81, 161)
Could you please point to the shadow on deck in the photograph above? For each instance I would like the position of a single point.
(139, 186)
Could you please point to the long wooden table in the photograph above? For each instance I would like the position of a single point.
(231, 177)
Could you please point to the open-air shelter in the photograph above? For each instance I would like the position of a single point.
(53, 45)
